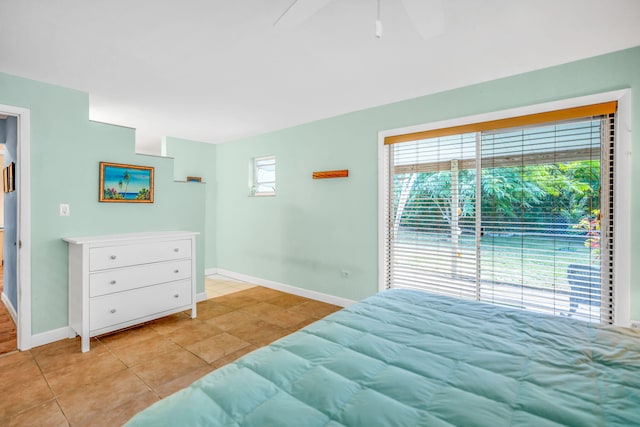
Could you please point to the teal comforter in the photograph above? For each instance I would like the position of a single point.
(408, 358)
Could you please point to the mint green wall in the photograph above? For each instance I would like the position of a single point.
(193, 158)
(312, 230)
(65, 151)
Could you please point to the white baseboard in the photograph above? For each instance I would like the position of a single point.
(201, 296)
(210, 271)
(52, 336)
(318, 296)
(10, 308)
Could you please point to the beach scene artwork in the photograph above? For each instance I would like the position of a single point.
(126, 183)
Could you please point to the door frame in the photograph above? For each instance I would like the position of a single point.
(23, 253)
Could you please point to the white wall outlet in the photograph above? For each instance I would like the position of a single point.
(64, 209)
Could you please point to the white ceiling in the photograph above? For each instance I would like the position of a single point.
(217, 70)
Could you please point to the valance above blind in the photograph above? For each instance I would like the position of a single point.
(593, 110)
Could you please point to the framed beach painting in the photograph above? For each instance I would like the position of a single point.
(126, 183)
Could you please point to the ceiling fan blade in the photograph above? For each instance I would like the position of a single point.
(427, 16)
(298, 12)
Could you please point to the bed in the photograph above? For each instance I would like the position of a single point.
(409, 358)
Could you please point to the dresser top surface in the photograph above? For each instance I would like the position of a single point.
(115, 238)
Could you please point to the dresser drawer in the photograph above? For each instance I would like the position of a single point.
(109, 310)
(124, 279)
(140, 253)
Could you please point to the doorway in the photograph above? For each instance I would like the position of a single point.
(16, 292)
(8, 284)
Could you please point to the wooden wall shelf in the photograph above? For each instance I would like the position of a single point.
(331, 174)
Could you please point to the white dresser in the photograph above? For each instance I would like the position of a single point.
(121, 280)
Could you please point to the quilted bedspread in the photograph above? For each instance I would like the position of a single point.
(408, 358)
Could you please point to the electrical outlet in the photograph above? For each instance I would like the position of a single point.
(64, 209)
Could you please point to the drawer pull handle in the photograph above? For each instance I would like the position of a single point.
(113, 282)
(176, 296)
(112, 257)
(176, 271)
(176, 250)
(113, 310)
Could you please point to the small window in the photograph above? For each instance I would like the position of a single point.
(264, 176)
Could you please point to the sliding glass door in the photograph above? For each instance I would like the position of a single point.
(513, 217)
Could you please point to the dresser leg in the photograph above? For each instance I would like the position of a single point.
(85, 343)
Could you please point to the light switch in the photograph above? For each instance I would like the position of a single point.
(64, 209)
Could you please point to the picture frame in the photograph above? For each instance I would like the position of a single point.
(122, 183)
(8, 178)
(12, 177)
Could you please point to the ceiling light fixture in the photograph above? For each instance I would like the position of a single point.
(427, 16)
(378, 23)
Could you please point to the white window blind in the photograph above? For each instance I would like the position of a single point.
(519, 216)
(264, 176)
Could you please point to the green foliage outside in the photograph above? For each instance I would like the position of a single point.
(562, 194)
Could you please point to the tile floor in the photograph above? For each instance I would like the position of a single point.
(58, 385)
(217, 285)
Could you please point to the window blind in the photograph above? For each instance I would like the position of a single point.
(518, 216)
(264, 176)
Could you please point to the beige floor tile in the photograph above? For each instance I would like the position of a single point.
(314, 309)
(21, 396)
(214, 348)
(284, 318)
(235, 300)
(16, 368)
(49, 415)
(70, 344)
(303, 324)
(195, 331)
(242, 286)
(215, 281)
(119, 415)
(169, 324)
(168, 367)
(232, 357)
(81, 405)
(179, 383)
(220, 286)
(288, 300)
(260, 293)
(87, 371)
(210, 309)
(144, 351)
(232, 319)
(15, 357)
(260, 309)
(129, 337)
(64, 353)
(258, 332)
